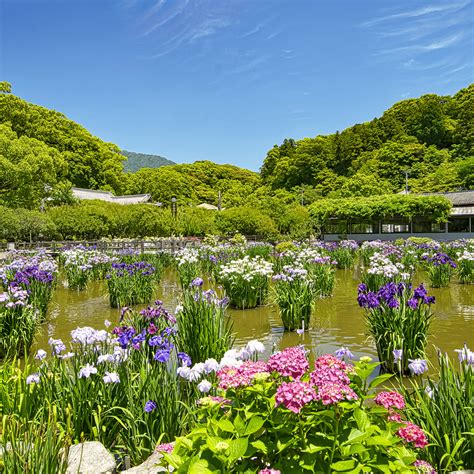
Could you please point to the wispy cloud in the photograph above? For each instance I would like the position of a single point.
(420, 48)
(175, 24)
(431, 37)
(420, 12)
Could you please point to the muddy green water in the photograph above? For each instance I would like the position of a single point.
(337, 320)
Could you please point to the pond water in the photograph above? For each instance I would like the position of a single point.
(337, 321)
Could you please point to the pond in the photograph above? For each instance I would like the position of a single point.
(337, 321)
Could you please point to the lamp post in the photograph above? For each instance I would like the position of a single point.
(407, 172)
(174, 206)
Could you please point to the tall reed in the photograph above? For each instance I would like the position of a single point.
(442, 406)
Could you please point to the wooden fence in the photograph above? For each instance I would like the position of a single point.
(169, 245)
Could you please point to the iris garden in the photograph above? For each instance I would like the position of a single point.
(178, 382)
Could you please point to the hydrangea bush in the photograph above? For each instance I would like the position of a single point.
(285, 416)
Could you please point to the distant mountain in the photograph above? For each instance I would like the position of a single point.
(136, 161)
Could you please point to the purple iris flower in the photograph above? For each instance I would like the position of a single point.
(412, 303)
(197, 282)
(344, 352)
(397, 355)
(150, 405)
(162, 355)
(185, 359)
(417, 366)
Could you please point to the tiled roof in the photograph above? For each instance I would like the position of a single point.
(81, 193)
(459, 198)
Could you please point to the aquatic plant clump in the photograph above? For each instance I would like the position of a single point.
(36, 273)
(382, 270)
(246, 281)
(204, 329)
(130, 283)
(284, 414)
(440, 268)
(188, 264)
(442, 406)
(118, 387)
(398, 319)
(83, 264)
(295, 292)
(18, 322)
(344, 253)
(465, 262)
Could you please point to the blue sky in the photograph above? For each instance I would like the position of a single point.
(225, 80)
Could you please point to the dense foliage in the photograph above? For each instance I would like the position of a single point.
(301, 183)
(136, 161)
(41, 148)
(431, 137)
(399, 205)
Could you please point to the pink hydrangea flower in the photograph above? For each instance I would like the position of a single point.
(165, 448)
(291, 362)
(233, 377)
(412, 433)
(423, 466)
(294, 395)
(394, 416)
(329, 369)
(390, 400)
(269, 471)
(330, 393)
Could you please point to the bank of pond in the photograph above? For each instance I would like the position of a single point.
(237, 357)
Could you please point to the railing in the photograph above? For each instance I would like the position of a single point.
(143, 246)
(169, 245)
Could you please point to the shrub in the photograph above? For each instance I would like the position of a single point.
(259, 416)
(247, 221)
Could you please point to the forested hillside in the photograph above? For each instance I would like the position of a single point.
(41, 148)
(43, 153)
(136, 161)
(431, 137)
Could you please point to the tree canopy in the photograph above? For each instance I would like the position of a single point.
(421, 136)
